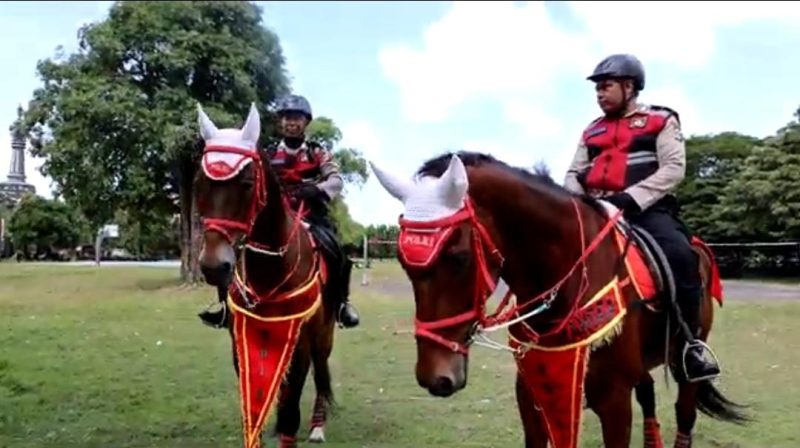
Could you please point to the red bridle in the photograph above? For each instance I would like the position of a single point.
(420, 243)
(259, 199)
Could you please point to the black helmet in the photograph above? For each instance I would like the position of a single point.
(294, 103)
(620, 66)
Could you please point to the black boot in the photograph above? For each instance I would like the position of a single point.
(215, 319)
(347, 315)
(697, 360)
(219, 318)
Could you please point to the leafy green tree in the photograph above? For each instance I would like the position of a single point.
(117, 121)
(351, 161)
(354, 172)
(712, 162)
(763, 201)
(47, 224)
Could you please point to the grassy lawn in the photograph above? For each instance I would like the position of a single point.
(117, 357)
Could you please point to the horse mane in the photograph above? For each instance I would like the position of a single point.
(540, 176)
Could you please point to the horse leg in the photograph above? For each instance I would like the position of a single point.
(612, 403)
(646, 397)
(320, 352)
(532, 423)
(685, 414)
(289, 405)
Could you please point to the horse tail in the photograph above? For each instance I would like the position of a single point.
(711, 402)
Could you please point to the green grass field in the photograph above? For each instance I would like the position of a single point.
(115, 357)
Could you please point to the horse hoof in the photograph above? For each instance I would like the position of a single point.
(317, 435)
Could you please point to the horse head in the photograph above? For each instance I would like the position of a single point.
(467, 219)
(229, 192)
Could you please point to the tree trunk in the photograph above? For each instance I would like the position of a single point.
(191, 228)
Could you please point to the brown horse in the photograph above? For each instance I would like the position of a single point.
(579, 325)
(256, 245)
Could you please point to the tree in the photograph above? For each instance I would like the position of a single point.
(116, 121)
(353, 168)
(712, 162)
(47, 224)
(351, 161)
(763, 201)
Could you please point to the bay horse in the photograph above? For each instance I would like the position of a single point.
(579, 320)
(260, 250)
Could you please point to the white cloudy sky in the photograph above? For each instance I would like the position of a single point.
(407, 80)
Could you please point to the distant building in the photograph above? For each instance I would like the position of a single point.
(15, 187)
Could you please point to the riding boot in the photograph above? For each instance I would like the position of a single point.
(215, 319)
(697, 360)
(347, 315)
(219, 318)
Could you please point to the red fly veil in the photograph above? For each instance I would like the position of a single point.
(420, 246)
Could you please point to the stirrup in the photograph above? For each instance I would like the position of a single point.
(340, 314)
(223, 318)
(706, 350)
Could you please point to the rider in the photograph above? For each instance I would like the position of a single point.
(309, 173)
(635, 157)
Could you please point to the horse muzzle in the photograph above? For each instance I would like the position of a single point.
(216, 264)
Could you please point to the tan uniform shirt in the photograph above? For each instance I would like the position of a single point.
(330, 181)
(671, 154)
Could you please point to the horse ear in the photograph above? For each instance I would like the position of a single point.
(454, 183)
(396, 186)
(252, 127)
(207, 127)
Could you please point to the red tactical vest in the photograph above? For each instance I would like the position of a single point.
(302, 166)
(622, 151)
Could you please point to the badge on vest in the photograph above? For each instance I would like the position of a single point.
(638, 122)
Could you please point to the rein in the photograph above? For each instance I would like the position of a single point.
(224, 227)
(504, 315)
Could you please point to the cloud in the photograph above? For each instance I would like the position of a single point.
(360, 135)
(507, 52)
(532, 120)
(480, 49)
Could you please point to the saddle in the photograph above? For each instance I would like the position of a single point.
(645, 261)
(648, 267)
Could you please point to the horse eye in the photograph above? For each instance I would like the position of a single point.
(459, 260)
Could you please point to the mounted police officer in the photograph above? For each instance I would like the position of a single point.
(634, 157)
(309, 173)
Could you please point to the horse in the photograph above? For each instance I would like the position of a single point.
(261, 251)
(585, 315)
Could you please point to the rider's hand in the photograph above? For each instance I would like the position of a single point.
(624, 202)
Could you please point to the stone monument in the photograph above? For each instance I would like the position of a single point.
(15, 187)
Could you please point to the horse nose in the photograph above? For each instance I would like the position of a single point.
(218, 275)
(443, 386)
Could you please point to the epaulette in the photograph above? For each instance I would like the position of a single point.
(314, 145)
(593, 122)
(664, 110)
